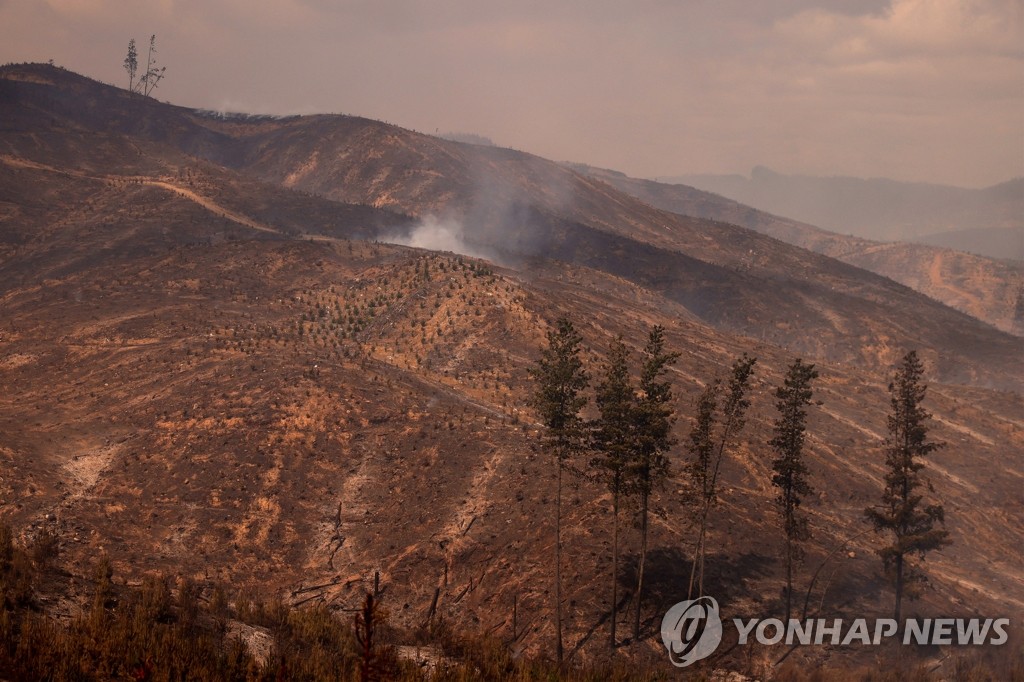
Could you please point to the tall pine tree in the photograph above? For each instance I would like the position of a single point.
(655, 415)
(790, 472)
(131, 64)
(702, 469)
(560, 380)
(615, 441)
(913, 528)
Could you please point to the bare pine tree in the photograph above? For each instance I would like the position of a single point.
(153, 75)
(705, 474)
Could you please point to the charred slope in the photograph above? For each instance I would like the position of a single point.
(517, 203)
(193, 384)
(72, 196)
(283, 414)
(521, 206)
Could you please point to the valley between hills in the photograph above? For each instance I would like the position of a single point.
(218, 362)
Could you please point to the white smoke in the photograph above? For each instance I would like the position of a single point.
(437, 234)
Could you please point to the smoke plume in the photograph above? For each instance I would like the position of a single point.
(438, 234)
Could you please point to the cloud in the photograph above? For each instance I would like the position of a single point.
(917, 89)
(907, 29)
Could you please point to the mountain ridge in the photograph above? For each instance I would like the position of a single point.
(988, 289)
(877, 208)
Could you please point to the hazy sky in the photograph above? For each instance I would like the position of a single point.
(929, 90)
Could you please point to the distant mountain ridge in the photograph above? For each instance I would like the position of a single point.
(1006, 243)
(882, 209)
(989, 289)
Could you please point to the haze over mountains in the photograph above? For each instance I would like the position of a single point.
(987, 288)
(212, 365)
(988, 221)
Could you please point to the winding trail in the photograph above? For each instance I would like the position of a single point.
(127, 180)
(209, 205)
